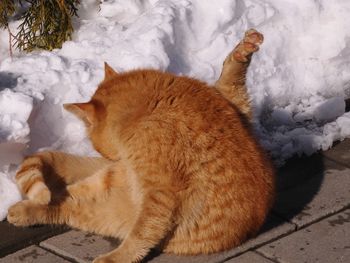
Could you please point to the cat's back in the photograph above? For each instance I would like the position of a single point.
(230, 184)
(200, 144)
(185, 121)
(199, 116)
(180, 98)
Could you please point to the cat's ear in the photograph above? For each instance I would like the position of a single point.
(85, 111)
(109, 72)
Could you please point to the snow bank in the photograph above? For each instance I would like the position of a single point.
(298, 80)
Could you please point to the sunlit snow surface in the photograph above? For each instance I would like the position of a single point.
(298, 80)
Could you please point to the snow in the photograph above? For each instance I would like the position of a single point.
(298, 80)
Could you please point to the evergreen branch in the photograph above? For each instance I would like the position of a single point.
(7, 9)
(46, 24)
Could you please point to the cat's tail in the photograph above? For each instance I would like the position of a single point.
(231, 83)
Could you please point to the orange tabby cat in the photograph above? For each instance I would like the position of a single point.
(181, 168)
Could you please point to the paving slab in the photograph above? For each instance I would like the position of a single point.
(249, 257)
(83, 247)
(340, 153)
(323, 194)
(80, 246)
(14, 238)
(32, 254)
(323, 242)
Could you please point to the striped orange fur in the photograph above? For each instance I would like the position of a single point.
(181, 168)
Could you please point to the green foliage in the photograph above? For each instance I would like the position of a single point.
(46, 24)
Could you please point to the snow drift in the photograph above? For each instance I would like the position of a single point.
(298, 80)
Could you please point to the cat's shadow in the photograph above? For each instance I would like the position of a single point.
(298, 182)
(298, 173)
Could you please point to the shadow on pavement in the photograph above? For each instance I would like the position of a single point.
(15, 238)
(296, 172)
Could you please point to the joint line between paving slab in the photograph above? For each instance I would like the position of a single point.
(323, 217)
(280, 216)
(336, 161)
(275, 260)
(261, 253)
(296, 229)
(235, 256)
(57, 254)
(252, 249)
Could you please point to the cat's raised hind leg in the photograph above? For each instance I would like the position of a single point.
(231, 83)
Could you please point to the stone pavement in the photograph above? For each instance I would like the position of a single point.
(310, 223)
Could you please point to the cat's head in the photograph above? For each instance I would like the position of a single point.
(94, 116)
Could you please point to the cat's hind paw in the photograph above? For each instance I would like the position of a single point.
(103, 259)
(22, 213)
(250, 44)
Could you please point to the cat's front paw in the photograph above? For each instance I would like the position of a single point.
(113, 257)
(103, 259)
(250, 44)
(22, 213)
